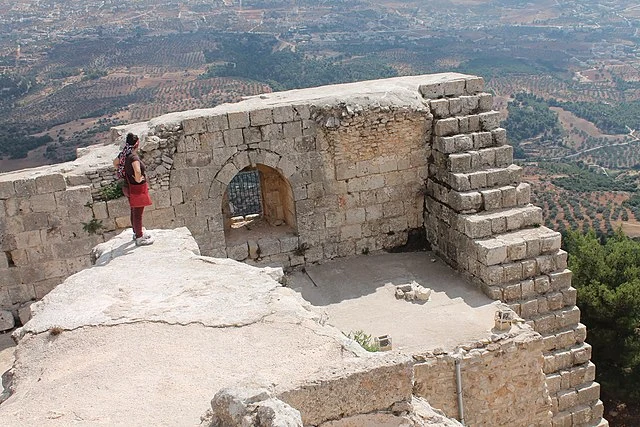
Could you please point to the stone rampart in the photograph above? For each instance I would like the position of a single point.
(343, 170)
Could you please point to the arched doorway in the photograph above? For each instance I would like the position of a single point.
(258, 208)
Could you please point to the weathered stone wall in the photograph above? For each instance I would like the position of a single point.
(502, 381)
(478, 217)
(42, 236)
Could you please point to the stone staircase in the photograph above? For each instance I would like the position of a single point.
(479, 217)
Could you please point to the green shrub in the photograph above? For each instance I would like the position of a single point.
(364, 340)
(112, 191)
(93, 226)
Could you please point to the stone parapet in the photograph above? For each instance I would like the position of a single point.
(490, 375)
(373, 384)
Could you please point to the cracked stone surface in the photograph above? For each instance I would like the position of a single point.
(150, 334)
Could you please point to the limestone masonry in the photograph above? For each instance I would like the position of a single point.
(343, 170)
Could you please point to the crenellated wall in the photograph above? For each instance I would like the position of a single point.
(344, 170)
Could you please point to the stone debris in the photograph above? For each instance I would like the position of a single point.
(504, 319)
(24, 312)
(246, 407)
(413, 292)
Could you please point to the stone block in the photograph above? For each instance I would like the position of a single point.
(493, 275)
(478, 180)
(118, 208)
(492, 199)
(446, 127)
(43, 203)
(517, 250)
(459, 162)
(529, 309)
(491, 252)
(454, 88)
(459, 182)
(439, 108)
(301, 112)
(7, 190)
(194, 125)
(523, 194)
(445, 144)
(473, 85)
(25, 187)
(210, 141)
(352, 231)
(217, 123)
(432, 90)
(7, 320)
(260, 117)
(465, 202)
(238, 120)
(251, 135)
(283, 114)
(35, 221)
(567, 399)
(355, 216)
(463, 143)
(50, 183)
(271, 132)
(372, 384)
(227, 173)
(497, 177)
(509, 196)
(528, 290)
(489, 121)
(542, 284)
(482, 140)
(233, 137)
(269, 246)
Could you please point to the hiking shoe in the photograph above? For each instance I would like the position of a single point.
(145, 240)
(144, 234)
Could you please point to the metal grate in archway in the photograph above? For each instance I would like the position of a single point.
(244, 194)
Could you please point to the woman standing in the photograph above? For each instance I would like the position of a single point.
(136, 189)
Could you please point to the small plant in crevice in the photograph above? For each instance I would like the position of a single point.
(301, 249)
(112, 191)
(365, 250)
(365, 340)
(93, 226)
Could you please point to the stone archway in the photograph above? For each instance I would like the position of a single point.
(258, 209)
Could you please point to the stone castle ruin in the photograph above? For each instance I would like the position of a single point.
(301, 177)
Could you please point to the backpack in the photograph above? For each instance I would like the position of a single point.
(122, 158)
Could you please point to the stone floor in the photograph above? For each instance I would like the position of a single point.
(359, 294)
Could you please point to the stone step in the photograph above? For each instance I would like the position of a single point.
(461, 105)
(468, 85)
(511, 273)
(474, 160)
(555, 321)
(485, 224)
(470, 141)
(555, 361)
(564, 338)
(573, 377)
(581, 416)
(508, 196)
(482, 122)
(533, 288)
(482, 180)
(517, 245)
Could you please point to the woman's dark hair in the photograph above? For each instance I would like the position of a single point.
(132, 139)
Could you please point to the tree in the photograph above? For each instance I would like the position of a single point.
(607, 278)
